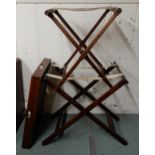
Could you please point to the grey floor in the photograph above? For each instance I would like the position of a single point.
(86, 138)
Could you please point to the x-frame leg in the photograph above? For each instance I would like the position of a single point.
(66, 105)
(85, 53)
(82, 43)
(85, 92)
(61, 121)
(84, 50)
(78, 47)
(90, 96)
(86, 111)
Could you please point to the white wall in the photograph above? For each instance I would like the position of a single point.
(39, 37)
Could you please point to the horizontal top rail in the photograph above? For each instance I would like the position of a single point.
(116, 10)
(85, 9)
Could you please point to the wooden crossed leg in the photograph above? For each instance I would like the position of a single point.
(85, 53)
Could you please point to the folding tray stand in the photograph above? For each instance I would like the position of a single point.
(42, 77)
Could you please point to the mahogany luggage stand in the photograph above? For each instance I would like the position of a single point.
(64, 74)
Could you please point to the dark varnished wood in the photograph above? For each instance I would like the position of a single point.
(87, 49)
(20, 101)
(82, 42)
(85, 92)
(85, 52)
(110, 121)
(38, 84)
(35, 103)
(86, 111)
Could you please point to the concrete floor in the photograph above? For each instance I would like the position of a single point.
(86, 138)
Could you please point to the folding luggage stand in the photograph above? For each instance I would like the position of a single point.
(64, 74)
